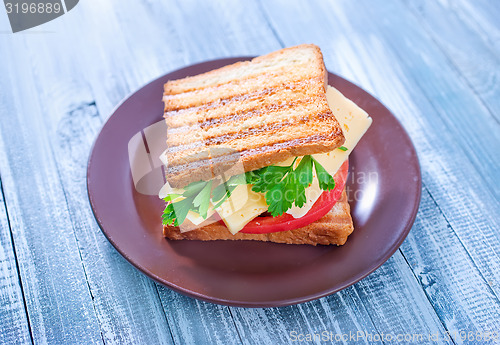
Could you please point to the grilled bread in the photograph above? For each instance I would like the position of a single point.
(257, 112)
(333, 228)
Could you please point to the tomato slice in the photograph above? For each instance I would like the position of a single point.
(264, 225)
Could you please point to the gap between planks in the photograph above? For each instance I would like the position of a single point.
(13, 247)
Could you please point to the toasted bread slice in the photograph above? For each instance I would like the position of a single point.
(333, 228)
(258, 113)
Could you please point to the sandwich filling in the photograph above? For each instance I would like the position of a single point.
(293, 189)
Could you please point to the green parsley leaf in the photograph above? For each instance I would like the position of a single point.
(182, 208)
(326, 181)
(171, 197)
(269, 177)
(197, 196)
(343, 148)
(252, 176)
(278, 201)
(202, 200)
(175, 213)
(304, 171)
(219, 192)
(301, 199)
(285, 186)
(194, 188)
(168, 215)
(225, 196)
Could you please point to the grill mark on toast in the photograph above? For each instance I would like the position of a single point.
(225, 91)
(218, 140)
(221, 139)
(226, 139)
(252, 125)
(306, 53)
(241, 116)
(292, 86)
(260, 75)
(228, 107)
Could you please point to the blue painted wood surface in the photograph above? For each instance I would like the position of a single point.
(435, 64)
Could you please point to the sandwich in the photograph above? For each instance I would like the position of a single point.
(258, 150)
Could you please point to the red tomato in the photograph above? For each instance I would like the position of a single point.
(264, 225)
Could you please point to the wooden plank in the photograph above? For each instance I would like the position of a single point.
(57, 297)
(198, 322)
(431, 71)
(356, 315)
(364, 55)
(126, 302)
(476, 59)
(279, 325)
(466, 202)
(481, 16)
(222, 29)
(14, 327)
(451, 280)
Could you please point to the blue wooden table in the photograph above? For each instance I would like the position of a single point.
(435, 64)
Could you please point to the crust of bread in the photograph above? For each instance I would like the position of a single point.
(263, 111)
(333, 228)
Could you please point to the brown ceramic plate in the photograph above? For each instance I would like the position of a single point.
(246, 273)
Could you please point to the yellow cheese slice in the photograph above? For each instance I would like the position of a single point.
(235, 202)
(236, 214)
(354, 122)
(196, 219)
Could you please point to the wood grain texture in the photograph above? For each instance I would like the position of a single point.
(458, 200)
(482, 17)
(124, 299)
(58, 301)
(14, 325)
(476, 60)
(198, 322)
(425, 64)
(126, 303)
(463, 299)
